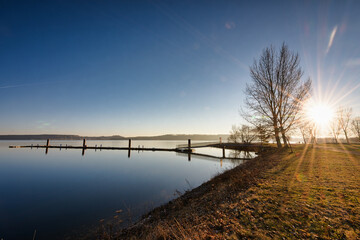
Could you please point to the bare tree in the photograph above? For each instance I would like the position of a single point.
(304, 130)
(263, 134)
(276, 93)
(335, 129)
(344, 116)
(312, 131)
(355, 126)
(244, 134)
(247, 134)
(234, 134)
(293, 92)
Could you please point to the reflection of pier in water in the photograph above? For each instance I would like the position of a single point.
(220, 160)
(184, 149)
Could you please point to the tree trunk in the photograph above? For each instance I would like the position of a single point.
(312, 138)
(346, 136)
(277, 137)
(303, 135)
(284, 138)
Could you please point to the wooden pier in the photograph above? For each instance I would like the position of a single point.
(183, 148)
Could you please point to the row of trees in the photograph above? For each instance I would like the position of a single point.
(274, 102)
(343, 123)
(248, 134)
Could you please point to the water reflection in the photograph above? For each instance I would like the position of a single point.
(241, 154)
(61, 191)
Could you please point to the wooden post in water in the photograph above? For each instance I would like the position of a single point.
(47, 146)
(223, 151)
(189, 150)
(84, 147)
(129, 148)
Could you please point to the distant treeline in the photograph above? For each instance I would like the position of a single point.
(116, 137)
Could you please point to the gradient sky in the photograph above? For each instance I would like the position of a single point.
(157, 67)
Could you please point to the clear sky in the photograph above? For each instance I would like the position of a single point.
(156, 67)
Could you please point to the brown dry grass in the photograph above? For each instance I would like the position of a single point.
(312, 194)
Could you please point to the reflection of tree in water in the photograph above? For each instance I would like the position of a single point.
(237, 157)
(241, 154)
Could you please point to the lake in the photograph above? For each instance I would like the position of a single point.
(63, 192)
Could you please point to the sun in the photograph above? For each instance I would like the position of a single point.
(320, 114)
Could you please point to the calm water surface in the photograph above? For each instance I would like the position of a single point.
(63, 191)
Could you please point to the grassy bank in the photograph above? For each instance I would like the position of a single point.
(314, 193)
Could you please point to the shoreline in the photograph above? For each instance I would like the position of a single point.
(251, 171)
(313, 193)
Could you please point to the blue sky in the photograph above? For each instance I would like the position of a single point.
(157, 67)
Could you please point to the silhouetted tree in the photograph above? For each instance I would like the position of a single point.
(312, 132)
(247, 134)
(304, 130)
(304, 125)
(335, 128)
(244, 134)
(344, 116)
(263, 133)
(234, 134)
(276, 93)
(355, 126)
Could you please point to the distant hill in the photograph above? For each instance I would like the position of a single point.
(183, 137)
(40, 137)
(207, 137)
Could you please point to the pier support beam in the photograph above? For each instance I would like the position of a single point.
(84, 147)
(129, 148)
(47, 146)
(189, 150)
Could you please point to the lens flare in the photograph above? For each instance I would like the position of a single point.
(320, 114)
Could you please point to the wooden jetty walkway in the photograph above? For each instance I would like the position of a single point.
(182, 148)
